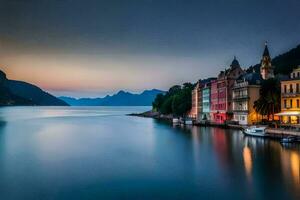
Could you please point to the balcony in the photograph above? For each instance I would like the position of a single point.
(240, 97)
(240, 111)
(290, 94)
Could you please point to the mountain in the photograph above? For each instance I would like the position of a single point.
(122, 98)
(22, 93)
(8, 98)
(284, 63)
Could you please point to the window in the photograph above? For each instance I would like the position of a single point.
(284, 88)
(291, 103)
(298, 103)
(284, 103)
(298, 74)
(291, 88)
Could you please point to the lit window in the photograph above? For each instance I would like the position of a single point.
(284, 103)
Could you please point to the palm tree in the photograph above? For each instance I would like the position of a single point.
(269, 100)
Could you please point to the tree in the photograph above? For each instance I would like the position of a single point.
(166, 107)
(158, 101)
(174, 90)
(269, 100)
(182, 102)
(177, 101)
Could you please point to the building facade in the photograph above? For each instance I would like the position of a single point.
(244, 93)
(290, 99)
(221, 93)
(196, 109)
(197, 99)
(206, 97)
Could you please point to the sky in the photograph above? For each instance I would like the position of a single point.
(90, 48)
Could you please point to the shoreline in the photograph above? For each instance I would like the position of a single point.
(272, 133)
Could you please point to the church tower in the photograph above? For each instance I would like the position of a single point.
(266, 68)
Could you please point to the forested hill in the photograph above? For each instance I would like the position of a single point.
(284, 63)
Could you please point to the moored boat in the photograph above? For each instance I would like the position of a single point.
(175, 121)
(255, 131)
(289, 139)
(188, 122)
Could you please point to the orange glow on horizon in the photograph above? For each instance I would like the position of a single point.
(80, 72)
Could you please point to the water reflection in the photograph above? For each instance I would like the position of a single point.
(290, 162)
(295, 168)
(263, 161)
(247, 156)
(114, 156)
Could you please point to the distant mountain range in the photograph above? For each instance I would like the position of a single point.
(122, 98)
(22, 93)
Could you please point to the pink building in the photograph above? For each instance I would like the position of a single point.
(221, 93)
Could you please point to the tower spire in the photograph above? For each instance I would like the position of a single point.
(266, 68)
(266, 51)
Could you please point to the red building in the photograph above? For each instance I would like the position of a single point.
(221, 93)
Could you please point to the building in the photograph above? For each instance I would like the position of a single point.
(197, 99)
(290, 99)
(206, 92)
(244, 93)
(266, 68)
(221, 93)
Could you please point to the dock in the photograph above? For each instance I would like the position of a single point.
(281, 133)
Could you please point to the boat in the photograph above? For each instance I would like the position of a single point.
(175, 121)
(188, 122)
(289, 139)
(255, 131)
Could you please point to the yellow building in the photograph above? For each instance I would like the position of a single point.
(244, 93)
(290, 99)
(196, 107)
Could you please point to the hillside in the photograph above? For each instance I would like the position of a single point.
(22, 93)
(284, 63)
(122, 98)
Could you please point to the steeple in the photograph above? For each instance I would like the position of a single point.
(266, 51)
(266, 68)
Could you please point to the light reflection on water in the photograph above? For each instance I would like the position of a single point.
(77, 153)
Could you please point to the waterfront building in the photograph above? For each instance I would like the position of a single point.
(244, 93)
(290, 99)
(197, 99)
(266, 68)
(221, 93)
(206, 92)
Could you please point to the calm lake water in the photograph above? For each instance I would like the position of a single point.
(100, 153)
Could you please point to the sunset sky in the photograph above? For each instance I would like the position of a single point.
(89, 48)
